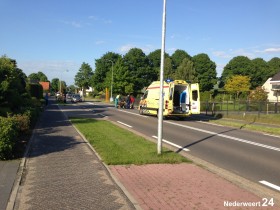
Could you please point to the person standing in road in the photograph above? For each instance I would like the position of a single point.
(117, 100)
(128, 102)
(132, 99)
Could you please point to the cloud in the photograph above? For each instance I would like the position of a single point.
(103, 20)
(75, 24)
(271, 50)
(221, 54)
(100, 42)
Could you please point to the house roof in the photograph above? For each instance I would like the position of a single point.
(275, 78)
(46, 85)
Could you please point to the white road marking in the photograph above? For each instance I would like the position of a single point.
(120, 110)
(175, 145)
(90, 103)
(125, 124)
(271, 135)
(226, 136)
(270, 185)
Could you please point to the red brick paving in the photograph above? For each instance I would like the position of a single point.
(181, 186)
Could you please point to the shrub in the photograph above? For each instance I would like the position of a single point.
(8, 134)
(23, 122)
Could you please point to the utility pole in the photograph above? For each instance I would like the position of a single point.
(160, 110)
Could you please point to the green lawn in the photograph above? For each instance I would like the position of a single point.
(118, 146)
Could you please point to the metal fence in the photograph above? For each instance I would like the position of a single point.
(240, 107)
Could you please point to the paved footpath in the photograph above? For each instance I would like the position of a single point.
(62, 172)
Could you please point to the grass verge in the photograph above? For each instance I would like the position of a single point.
(118, 146)
(247, 125)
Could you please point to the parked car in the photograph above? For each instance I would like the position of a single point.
(76, 98)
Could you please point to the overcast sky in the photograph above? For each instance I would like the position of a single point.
(57, 36)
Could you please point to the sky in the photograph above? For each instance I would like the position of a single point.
(57, 36)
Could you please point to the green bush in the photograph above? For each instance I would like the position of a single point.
(23, 122)
(8, 134)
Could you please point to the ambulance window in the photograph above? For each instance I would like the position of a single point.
(171, 94)
(194, 95)
(145, 95)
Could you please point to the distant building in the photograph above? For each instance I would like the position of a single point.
(272, 87)
(46, 86)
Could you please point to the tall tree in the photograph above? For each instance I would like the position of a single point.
(168, 69)
(155, 62)
(240, 65)
(237, 84)
(178, 56)
(42, 77)
(206, 71)
(102, 67)
(83, 77)
(12, 84)
(186, 71)
(55, 84)
(274, 66)
(260, 72)
(139, 68)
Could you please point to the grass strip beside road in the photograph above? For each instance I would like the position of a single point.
(117, 146)
(248, 126)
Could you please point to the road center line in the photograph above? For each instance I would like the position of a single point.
(125, 124)
(226, 136)
(130, 113)
(270, 185)
(175, 145)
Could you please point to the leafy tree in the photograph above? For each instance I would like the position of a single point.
(83, 77)
(39, 77)
(102, 66)
(123, 82)
(186, 71)
(12, 84)
(33, 77)
(55, 84)
(168, 69)
(260, 72)
(42, 77)
(259, 94)
(139, 69)
(274, 66)
(237, 84)
(239, 65)
(155, 62)
(178, 56)
(206, 71)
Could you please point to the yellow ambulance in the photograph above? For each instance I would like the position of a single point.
(180, 99)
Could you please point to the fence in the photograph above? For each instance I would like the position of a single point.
(240, 107)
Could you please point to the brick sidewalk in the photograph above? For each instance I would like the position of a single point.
(181, 186)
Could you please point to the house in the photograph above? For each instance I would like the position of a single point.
(46, 86)
(272, 87)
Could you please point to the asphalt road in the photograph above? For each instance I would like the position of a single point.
(252, 155)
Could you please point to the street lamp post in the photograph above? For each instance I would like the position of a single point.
(111, 98)
(160, 110)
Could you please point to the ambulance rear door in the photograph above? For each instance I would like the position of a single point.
(195, 99)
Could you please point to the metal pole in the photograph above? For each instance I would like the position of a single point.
(160, 110)
(111, 98)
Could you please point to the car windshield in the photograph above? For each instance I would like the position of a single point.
(76, 96)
